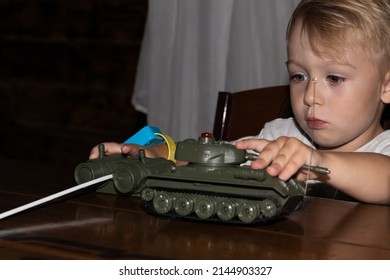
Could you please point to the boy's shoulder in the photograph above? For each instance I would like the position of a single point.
(283, 127)
(289, 124)
(380, 144)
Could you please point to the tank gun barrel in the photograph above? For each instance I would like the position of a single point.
(128, 172)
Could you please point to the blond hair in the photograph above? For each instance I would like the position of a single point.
(336, 25)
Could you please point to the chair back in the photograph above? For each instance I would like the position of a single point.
(244, 113)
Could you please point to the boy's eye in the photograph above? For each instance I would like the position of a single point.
(335, 79)
(298, 78)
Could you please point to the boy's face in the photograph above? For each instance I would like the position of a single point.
(336, 102)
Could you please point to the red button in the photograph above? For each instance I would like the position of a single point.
(206, 135)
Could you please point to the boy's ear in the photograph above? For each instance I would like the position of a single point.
(386, 89)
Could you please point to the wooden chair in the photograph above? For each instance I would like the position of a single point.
(244, 113)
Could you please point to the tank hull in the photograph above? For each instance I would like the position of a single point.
(214, 186)
(234, 195)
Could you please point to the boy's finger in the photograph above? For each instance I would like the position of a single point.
(131, 149)
(252, 144)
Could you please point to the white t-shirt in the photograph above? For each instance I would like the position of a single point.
(288, 127)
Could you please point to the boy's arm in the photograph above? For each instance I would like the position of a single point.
(365, 176)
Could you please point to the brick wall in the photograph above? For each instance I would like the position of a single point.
(67, 70)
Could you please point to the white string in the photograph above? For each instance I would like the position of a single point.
(314, 80)
(308, 170)
(54, 196)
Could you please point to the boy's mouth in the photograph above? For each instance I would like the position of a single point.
(315, 123)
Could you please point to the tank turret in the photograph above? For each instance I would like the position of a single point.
(214, 185)
(208, 152)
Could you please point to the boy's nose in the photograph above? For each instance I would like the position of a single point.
(311, 97)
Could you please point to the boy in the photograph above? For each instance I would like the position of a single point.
(338, 62)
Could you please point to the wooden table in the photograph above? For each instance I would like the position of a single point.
(90, 225)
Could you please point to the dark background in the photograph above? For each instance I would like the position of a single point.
(67, 71)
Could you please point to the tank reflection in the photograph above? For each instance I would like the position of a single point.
(138, 233)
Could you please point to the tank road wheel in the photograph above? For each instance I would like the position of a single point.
(204, 208)
(184, 205)
(226, 209)
(147, 194)
(248, 212)
(163, 202)
(268, 208)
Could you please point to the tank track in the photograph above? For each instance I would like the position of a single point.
(213, 208)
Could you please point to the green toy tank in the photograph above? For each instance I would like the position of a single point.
(212, 187)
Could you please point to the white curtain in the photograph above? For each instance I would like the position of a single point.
(192, 49)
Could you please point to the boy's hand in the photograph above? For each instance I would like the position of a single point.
(112, 148)
(283, 157)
